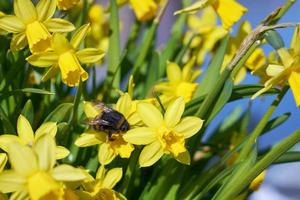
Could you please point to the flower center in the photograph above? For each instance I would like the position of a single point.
(105, 194)
(39, 38)
(71, 69)
(120, 146)
(186, 90)
(41, 186)
(67, 4)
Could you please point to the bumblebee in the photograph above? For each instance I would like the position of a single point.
(109, 121)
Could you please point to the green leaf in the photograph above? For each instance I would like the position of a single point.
(275, 122)
(25, 90)
(292, 156)
(28, 111)
(213, 71)
(6, 123)
(60, 113)
(114, 45)
(152, 73)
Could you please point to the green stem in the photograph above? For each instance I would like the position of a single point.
(261, 125)
(262, 164)
(76, 104)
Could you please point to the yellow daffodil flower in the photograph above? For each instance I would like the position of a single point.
(180, 82)
(228, 10)
(27, 137)
(205, 31)
(99, 35)
(163, 134)
(109, 149)
(254, 62)
(66, 4)
(2, 32)
(33, 25)
(67, 58)
(102, 186)
(34, 172)
(144, 10)
(288, 70)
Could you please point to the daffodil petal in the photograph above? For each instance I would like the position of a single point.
(273, 70)
(151, 154)
(48, 128)
(79, 35)
(194, 7)
(3, 161)
(90, 110)
(25, 131)
(294, 81)
(89, 55)
(45, 9)
(67, 173)
(61, 152)
(59, 25)
(25, 10)
(184, 158)
(295, 44)
(189, 126)
(112, 177)
(11, 181)
(12, 24)
(174, 112)
(18, 42)
(22, 158)
(44, 59)
(173, 72)
(150, 115)
(45, 149)
(124, 104)
(140, 136)
(20, 195)
(106, 154)
(51, 72)
(90, 138)
(6, 139)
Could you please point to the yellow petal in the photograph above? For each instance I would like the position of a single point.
(79, 35)
(59, 25)
(124, 105)
(194, 7)
(6, 139)
(39, 38)
(90, 55)
(11, 24)
(3, 161)
(229, 11)
(67, 4)
(91, 110)
(60, 44)
(25, 10)
(255, 184)
(106, 154)
(48, 128)
(25, 131)
(140, 136)
(45, 150)
(150, 115)
(50, 73)
(71, 70)
(285, 57)
(295, 44)
(19, 195)
(274, 70)
(90, 138)
(44, 59)
(22, 158)
(67, 173)
(112, 177)
(144, 10)
(294, 81)
(11, 181)
(184, 158)
(45, 9)
(189, 126)
(256, 60)
(173, 72)
(150, 154)
(174, 112)
(18, 42)
(61, 152)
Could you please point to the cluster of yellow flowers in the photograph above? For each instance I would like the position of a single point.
(157, 126)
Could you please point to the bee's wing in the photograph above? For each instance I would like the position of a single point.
(98, 121)
(102, 106)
